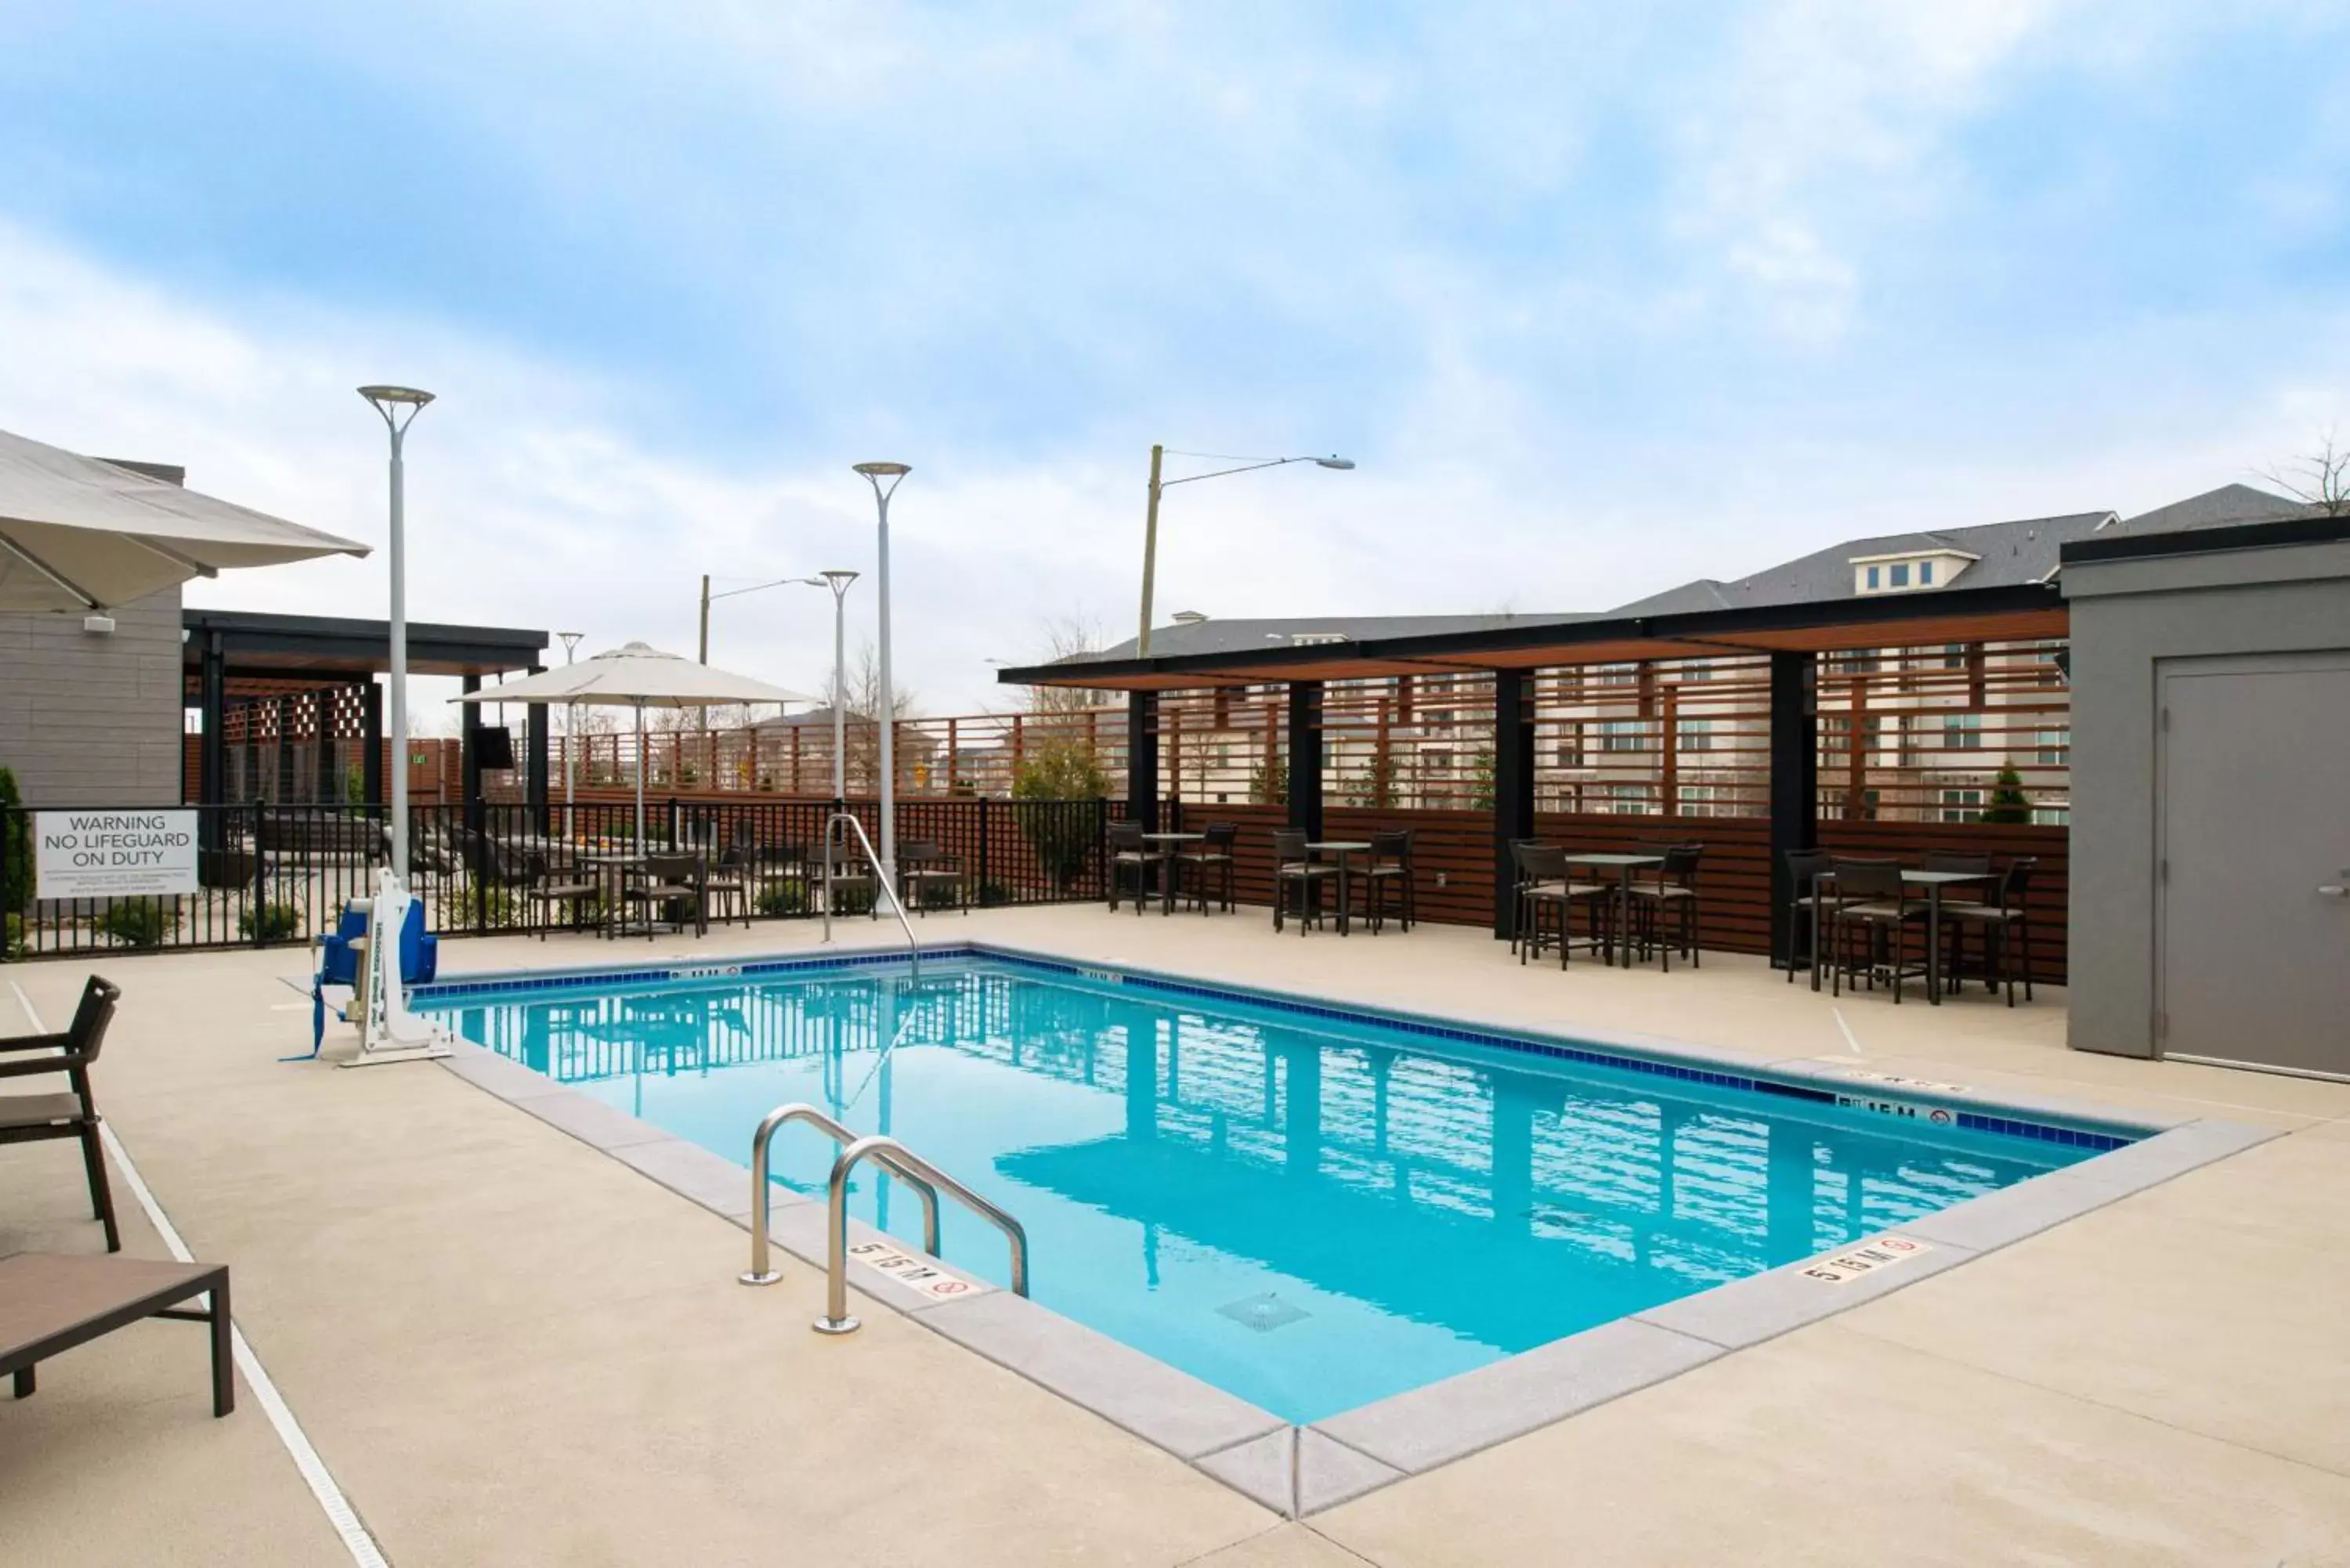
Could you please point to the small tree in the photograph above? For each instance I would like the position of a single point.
(1481, 780)
(15, 848)
(1269, 784)
(2008, 801)
(1058, 769)
(1374, 786)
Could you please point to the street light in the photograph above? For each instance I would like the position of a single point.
(389, 402)
(570, 731)
(1151, 518)
(837, 580)
(894, 473)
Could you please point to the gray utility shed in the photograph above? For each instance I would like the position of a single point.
(2210, 840)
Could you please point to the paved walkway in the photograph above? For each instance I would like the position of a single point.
(514, 1350)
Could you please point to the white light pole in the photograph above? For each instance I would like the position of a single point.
(837, 580)
(1151, 516)
(894, 473)
(388, 401)
(570, 733)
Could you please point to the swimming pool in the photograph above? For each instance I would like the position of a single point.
(1310, 1208)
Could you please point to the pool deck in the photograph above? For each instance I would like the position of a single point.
(511, 1348)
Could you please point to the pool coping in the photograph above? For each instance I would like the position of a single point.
(1297, 1470)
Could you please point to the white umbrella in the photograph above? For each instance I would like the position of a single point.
(78, 535)
(637, 676)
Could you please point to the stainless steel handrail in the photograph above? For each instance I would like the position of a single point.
(763, 1273)
(835, 1318)
(883, 883)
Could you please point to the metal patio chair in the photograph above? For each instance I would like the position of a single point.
(1293, 866)
(36, 1118)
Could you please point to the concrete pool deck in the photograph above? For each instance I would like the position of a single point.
(511, 1348)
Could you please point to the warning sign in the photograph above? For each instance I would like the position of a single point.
(114, 853)
(1898, 1082)
(1941, 1116)
(927, 1275)
(1866, 1258)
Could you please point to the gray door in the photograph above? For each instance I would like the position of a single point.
(2253, 959)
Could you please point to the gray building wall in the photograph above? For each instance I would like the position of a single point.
(2127, 616)
(94, 721)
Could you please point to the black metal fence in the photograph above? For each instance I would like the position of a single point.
(275, 876)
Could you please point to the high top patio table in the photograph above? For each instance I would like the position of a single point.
(1168, 843)
(1339, 849)
(1933, 882)
(1623, 866)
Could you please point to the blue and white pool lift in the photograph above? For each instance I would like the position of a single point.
(340, 953)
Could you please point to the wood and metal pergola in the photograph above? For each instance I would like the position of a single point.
(229, 657)
(1791, 636)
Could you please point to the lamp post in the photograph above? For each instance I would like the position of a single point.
(837, 580)
(1151, 517)
(570, 640)
(389, 402)
(894, 473)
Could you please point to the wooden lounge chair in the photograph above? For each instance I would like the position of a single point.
(51, 1303)
(34, 1118)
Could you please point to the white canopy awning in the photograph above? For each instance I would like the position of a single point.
(77, 534)
(637, 676)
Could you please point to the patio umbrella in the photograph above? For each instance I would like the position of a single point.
(635, 676)
(78, 535)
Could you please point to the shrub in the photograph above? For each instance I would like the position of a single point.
(1059, 769)
(1269, 784)
(12, 935)
(2008, 801)
(15, 848)
(278, 922)
(136, 922)
(497, 908)
(780, 899)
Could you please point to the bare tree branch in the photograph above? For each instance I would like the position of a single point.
(1070, 636)
(2320, 478)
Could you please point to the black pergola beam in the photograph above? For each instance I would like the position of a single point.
(470, 759)
(1142, 759)
(1872, 619)
(281, 645)
(371, 732)
(535, 764)
(212, 747)
(1305, 758)
(1795, 781)
(1513, 788)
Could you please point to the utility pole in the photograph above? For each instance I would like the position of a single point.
(701, 650)
(1149, 552)
(1151, 518)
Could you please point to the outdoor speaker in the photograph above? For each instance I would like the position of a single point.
(493, 747)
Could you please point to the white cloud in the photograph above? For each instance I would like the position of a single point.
(1599, 301)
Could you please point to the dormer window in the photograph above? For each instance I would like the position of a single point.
(1908, 571)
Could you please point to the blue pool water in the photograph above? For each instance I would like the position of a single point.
(1309, 1211)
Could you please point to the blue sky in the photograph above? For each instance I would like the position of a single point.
(1600, 296)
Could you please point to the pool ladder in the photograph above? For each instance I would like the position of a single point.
(884, 882)
(917, 1173)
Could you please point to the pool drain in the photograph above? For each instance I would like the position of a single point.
(1263, 1312)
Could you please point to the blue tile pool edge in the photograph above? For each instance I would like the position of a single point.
(2043, 1120)
(1446, 1421)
